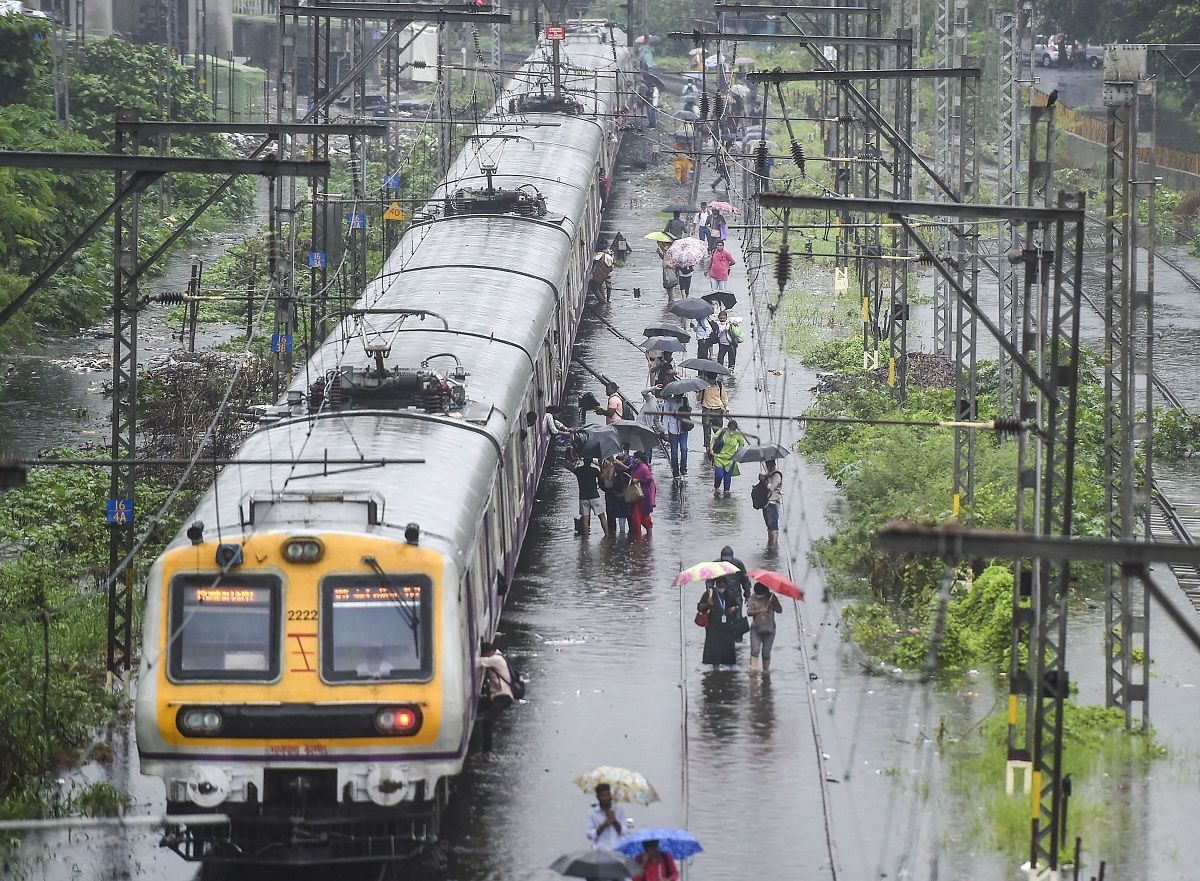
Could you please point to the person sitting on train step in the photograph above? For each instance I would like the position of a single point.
(497, 693)
(557, 435)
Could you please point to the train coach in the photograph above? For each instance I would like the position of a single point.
(308, 681)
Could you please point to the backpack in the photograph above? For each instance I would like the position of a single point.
(515, 682)
(627, 411)
(760, 496)
(735, 331)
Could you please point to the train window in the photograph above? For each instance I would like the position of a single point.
(376, 627)
(224, 627)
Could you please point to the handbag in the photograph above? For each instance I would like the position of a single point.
(718, 444)
(633, 492)
(739, 625)
(701, 619)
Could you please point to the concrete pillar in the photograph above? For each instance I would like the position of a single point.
(220, 27)
(98, 18)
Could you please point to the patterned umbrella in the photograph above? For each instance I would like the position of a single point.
(724, 208)
(679, 843)
(626, 785)
(704, 572)
(686, 252)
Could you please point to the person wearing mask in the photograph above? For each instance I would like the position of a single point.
(725, 444)
(677, 422)
(761, 609)
(606, 820)
(641, 506)
(714, 401)
(719, 609)
(719, 264)
(657, 864)
(497, 693)
(729, 337)
(676, 226)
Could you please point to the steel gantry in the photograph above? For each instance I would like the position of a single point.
(134, 173)
(1048, 358)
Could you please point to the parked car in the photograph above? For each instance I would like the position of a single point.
(1057, 51)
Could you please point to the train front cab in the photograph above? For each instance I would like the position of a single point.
(316, 694)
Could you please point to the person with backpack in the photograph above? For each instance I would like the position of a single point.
(614, 410)
(706, 336)
(657, 865)
(762, 608)
(501, 685)
(725, 444)
(767, 496)
(729, 337)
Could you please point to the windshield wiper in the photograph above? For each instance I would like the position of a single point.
(410, 615)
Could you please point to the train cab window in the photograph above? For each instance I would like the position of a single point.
(373, 628)
(224, 628)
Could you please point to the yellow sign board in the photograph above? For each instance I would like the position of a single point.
(394, 212)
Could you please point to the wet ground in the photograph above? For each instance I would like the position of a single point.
(613, 660)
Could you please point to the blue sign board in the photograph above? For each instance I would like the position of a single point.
(316, 259)
(391, 182)
(357, 220)
(281, 342)
(120, 511)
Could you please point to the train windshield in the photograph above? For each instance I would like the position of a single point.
(376, 628)
(225, 629)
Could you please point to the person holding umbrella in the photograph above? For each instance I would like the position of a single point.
(614, 477)
(657, 865)
(606, 820)
(761, 609)
(641, 501)
(676, 227)
(725, 444)
(677, 421)
(714, 401)
(720, 609)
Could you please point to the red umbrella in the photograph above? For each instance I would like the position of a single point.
(777, 583)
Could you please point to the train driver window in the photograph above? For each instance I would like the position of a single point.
(224, 628)
(376, 628)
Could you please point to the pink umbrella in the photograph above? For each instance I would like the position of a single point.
(704, 572)
(686, 252)
(725, 208)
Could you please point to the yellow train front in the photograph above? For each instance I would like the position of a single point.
(304, 695)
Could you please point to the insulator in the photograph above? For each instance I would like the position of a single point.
(924, 260)
(1008, 425)
(760, 159)
(798, 156)
(478, 47)
(704, 105)
(170, 298)
(272, 246)
(783, 267)
(718, 105)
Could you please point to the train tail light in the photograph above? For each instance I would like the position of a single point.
(401, 721)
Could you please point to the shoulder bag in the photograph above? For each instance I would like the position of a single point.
(633, 492)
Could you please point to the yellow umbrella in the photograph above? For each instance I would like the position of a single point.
(626, 785)
(659, 237)
(705, 572)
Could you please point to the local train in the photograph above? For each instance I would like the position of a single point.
(308, 668)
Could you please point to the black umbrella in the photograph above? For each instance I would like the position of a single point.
(667, 330)
(654, 80)
(724, 298)
(671, 209)
(635, 435)
(604, 865)
(664, 344)
(760, 453)
(704, 365)
(600, 444)
(684, 386)
(690, 307)
(686, 116)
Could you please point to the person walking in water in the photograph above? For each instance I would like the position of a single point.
(767, 496)
(684, 275)
(614, 477)
(725, 444)
(714, 401)
(761, 609)
(719, 263)
(719, 609)
(738, 580)
(641, 503)
(588, 476)
(676, 226)
(683, 166)
(677, 422)
(729, 336)
(606, 820)
(614, 410)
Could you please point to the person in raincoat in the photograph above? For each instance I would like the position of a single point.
(722, 605)
(725, 444)
(683, 167)
(640, 508)
(600, 283)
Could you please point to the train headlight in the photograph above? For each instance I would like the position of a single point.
(200, 721)
(303, 550)
(402, 721)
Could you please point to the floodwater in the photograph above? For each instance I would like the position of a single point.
(820, 772)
